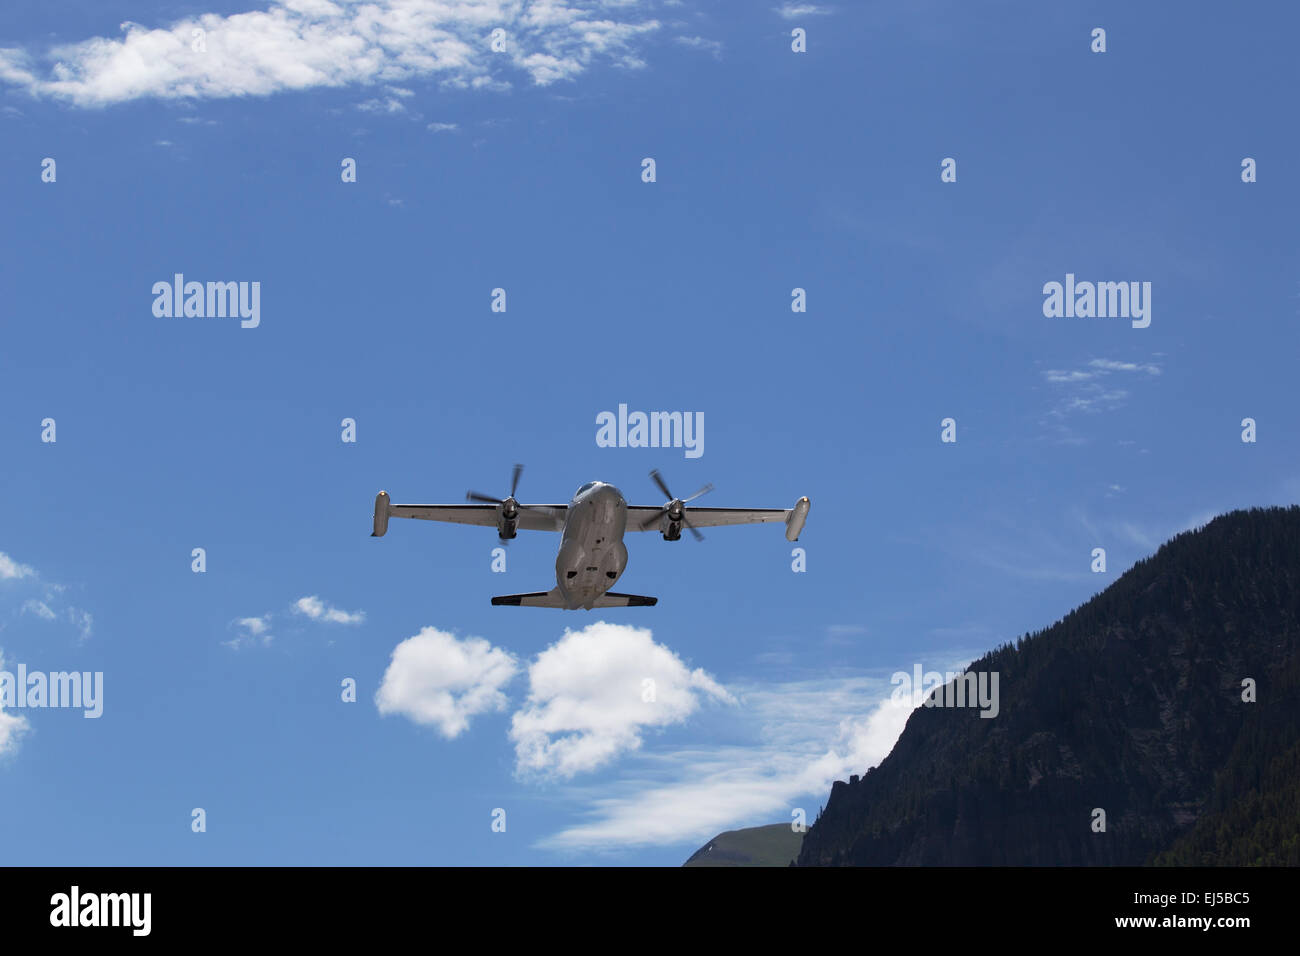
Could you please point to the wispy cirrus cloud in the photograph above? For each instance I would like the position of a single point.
(39, 608)
(1110, 365)
(389, 105)
(37, 597)
(797, 738)
(316, 609)
(256, 629)
(793, 11)
(712, 47)
(1100, 385)
(309, 44)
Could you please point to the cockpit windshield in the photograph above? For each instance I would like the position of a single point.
(587, 487)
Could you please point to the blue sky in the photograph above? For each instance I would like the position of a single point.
(522, 170)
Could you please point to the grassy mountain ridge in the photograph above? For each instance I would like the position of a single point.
(776, 844)
(1132, 704)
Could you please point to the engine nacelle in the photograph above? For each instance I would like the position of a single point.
(674, 516)
(508, 519)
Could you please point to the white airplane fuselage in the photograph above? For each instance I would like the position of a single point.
(592, 554)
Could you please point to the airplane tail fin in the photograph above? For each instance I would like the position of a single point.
(553, 598)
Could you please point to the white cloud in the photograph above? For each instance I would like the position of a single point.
(443, 127)
(11, 569)
(792, 11)
(389, 104)
(11, 727)
(318, 610)
(1097, 400)
(252, 630)
(11, 730)
(586, 700)
(84, 622)
(1058, 376)
(713, 47)
(39, 608)
(307, 44)
(1090, 390)
(1110, 365)
(49, 606)
(807, 735)
(257, 629)
(1095, 370)
(439, 679)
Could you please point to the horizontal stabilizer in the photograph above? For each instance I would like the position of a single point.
(610, 599)
(550, 598)
(553, 598)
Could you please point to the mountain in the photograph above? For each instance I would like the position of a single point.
(1132, 704)
(774, 845)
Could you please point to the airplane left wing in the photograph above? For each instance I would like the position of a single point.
(718, 517)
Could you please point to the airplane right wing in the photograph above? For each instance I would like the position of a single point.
(531, 518)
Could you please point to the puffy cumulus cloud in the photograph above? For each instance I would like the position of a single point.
(257, 626)
(438, 679)
(595, 691)
(12, 727)
(305, 44)
(316, 609)
(11, 731)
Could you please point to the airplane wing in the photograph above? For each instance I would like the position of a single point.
(707, 517)
(531, 517)
(700, 517)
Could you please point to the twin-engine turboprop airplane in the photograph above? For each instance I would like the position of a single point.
(592, 554)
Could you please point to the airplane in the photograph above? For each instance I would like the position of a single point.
(592, 555)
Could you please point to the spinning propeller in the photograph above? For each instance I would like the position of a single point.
(675, 509)
(510, 508)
